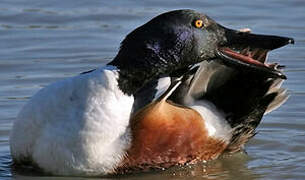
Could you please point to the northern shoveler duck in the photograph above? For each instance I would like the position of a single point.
(181, 89)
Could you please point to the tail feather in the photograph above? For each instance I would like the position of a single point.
(243, 132)
(282, 95)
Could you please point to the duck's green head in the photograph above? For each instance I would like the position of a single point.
(178, 39)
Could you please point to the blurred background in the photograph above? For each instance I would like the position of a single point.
(44, 41)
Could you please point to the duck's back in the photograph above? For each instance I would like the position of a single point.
(75, 126)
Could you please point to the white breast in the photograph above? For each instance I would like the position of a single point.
(78, 126)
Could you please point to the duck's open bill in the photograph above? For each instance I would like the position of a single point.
(250, 51)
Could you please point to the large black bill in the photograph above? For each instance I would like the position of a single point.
(268, 42)
(248, 51)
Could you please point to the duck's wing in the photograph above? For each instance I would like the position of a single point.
(162, 87)
(233, 91)
(243, 96)
(209, 76)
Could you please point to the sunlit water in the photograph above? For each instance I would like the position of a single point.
(44, 41)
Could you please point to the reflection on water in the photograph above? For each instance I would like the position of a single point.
(226, 167)
(44, 41)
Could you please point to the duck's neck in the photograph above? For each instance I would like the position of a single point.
(131, 80)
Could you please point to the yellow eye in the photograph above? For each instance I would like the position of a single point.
(198, 23)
